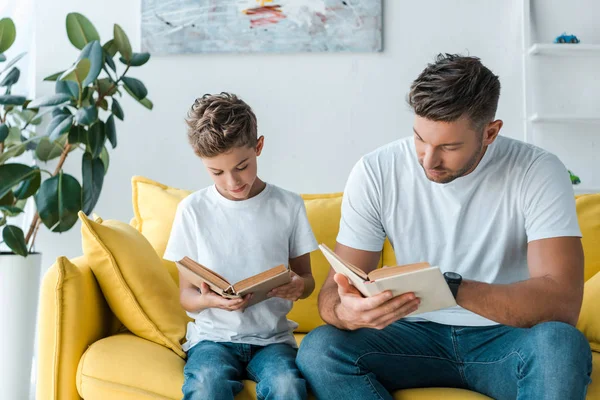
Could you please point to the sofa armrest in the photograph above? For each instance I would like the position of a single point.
(589, 317)
(72, 315)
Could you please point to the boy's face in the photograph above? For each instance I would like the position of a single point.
(234, 172)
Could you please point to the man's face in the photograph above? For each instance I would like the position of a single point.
(234, 172)
(447, 150)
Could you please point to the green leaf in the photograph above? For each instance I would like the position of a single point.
(67, 87)
(14, 239)
(110, 62)
(9, 99)
(111, 131)
(12, 62)
(105, 159)
(12, 174)
(3, 132)
(58, 201)
(110, 48)
(2, 57)
(137, 59)
(8, 199)
(13, 151)
(92, 177)
(29, 186)
(106, 87)
(11, 211)
(117, 110)
(50, 100)
(77, 134)
(11, 78)
(24, 117)
(80, 30)
(78, 72)
(54, 77)
(147, 103)
(95, 138)
(47, 150)
(86, 115)
(93, 52)
(135, 87)
(122, 42)
(61, 111)
(59, 126)
(8, 33)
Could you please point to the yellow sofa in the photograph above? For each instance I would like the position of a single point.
(85, 352)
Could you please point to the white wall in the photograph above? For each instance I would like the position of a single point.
(319, 112)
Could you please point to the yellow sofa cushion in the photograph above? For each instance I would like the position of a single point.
(588, 214)
(323, 213)
(154, 207)
(73, 314)
(134, 282)
(589, 317)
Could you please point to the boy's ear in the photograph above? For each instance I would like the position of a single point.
(259, 145)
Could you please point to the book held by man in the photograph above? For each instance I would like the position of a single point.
(422, 279)
(258, 285)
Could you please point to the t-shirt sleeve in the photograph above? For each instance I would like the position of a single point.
(360, 226)
(183, 236)
(302, 239)
(549, 201)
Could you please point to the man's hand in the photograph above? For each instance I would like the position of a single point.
(377, 312)
(290, 291)
(210, 299)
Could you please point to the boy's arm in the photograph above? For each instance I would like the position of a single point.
(302, 283)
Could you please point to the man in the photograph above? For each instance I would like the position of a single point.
(497, 213)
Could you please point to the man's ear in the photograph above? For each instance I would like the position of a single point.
(259, 145)
(491, 131)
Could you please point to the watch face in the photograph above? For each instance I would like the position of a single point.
(453, 276)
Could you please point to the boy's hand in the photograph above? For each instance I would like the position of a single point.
(212, 300)
(290, 291)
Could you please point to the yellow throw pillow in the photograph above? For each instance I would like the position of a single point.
(134, 282)
(154, 207)
(589, 318)
(588, 213)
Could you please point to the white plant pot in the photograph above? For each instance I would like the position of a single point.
(19, 292)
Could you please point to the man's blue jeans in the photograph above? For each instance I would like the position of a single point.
(214, 371)
(549, 361)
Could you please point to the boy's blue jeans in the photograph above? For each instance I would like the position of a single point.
(214, 371)
(549, 361)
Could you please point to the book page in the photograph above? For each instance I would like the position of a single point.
(332, 258)
(397, 270)
(258, 278)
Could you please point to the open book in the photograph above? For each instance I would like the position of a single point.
(259, 285)
(425, 281)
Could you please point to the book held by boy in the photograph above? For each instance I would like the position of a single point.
(422, 279)
(258, 285)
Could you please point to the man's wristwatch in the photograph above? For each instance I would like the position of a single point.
(453, 280)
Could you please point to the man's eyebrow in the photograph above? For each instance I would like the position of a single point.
(445, 144)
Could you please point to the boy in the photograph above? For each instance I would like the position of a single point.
(239, 227)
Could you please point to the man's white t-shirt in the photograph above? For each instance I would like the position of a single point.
(238, 239)
(478, 225)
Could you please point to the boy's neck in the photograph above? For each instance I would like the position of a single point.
(257, 187)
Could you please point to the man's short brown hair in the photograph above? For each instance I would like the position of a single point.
(455, 86)
(218, 123)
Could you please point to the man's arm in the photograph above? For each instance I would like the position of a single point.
(342, 305)
(553, 293)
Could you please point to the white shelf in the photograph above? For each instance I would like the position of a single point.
(564, 49)
(564, 118)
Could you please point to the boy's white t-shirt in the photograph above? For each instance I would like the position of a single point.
(238, 239)
(478, 225)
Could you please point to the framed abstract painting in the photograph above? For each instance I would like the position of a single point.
(246, 26)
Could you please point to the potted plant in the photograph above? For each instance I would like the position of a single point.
(81, 114)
